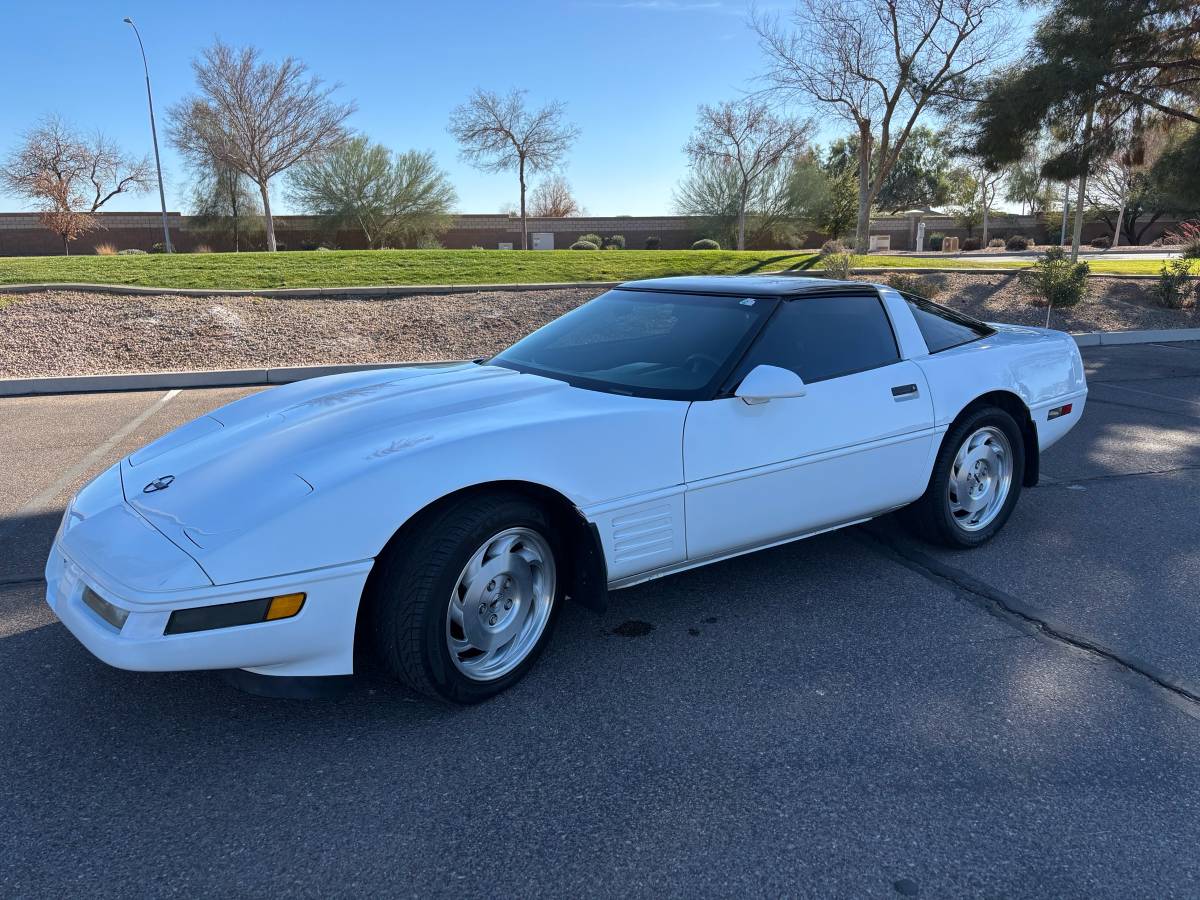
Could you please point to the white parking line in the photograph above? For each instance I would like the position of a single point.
(1148, 393)
(46, 498)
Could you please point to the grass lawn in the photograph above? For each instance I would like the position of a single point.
(361, 268)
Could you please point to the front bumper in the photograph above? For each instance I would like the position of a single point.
(318, 641)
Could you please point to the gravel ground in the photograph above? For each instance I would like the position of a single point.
(72, 333)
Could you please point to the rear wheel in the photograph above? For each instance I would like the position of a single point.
(464, 606)
(975, 483)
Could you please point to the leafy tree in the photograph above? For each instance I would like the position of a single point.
(880, 65)
(839, 211)
(917, 179)
(69, 177)
(402, 197)
(498, 134)
(260, 118)
(744, 139)
(225, 204)
(1092, 63)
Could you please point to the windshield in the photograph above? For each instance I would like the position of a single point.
(645, 343)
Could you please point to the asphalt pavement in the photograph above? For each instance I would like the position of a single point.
(856, 715)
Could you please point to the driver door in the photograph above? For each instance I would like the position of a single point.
(857, 444)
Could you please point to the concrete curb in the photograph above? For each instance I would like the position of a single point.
(395, 290)
(159, 381)
(151, 381)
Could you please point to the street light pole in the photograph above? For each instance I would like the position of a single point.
(162, 197)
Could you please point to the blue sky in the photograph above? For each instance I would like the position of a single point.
(631, 71)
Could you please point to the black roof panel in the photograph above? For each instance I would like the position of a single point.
(758, 285)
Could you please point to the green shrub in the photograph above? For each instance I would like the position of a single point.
(706, 244)
(1017, 242)
(1103, 242)
(922, 285)
(653, 242)
(971, 244)
(158, 247)
(616, 242)
(592, 239)
(1055, 279)
(997, 243)
(584, 245)
(831, 247)
(1174, 284)
(935, 241)
(837, 265)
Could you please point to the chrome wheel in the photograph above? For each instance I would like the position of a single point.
(501, 604)
(980, 478)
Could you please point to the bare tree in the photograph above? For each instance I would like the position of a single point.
(745, 137)
(552, 199)
(879, 65)
(260, 118)
(68, 177)
(498, 134)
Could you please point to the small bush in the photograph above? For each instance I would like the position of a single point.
(1055, 280)
(706, 244)
(837, 265)
(592, 239)
(654, 242)
(584, 245)
(935, 242)
(280, 246)
(921, 285)
(476, 247)
(831, 247)
(132, 251)
(202, 248)
(1174, 284)
(1017, 242)
(309, 245)
(158, 247)
(1102, 243)
(428, 243)
(616, 242)
(1188, 239)
(971, 244)
(996, 243)
(106, 250)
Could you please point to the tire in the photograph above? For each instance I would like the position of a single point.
(991, 437)
(424, 639)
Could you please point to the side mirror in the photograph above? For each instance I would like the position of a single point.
(770, 383)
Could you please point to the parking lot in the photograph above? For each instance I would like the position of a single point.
(854, 715)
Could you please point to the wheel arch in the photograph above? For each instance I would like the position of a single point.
(1012, 404)
(587, 580)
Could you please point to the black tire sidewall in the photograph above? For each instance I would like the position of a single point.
(448, 681)
(939, 488)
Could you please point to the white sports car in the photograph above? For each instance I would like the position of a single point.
(438, 516)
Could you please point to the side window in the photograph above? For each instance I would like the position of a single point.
(944, 328)
(823, 337)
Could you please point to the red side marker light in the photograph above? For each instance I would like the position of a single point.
(1059, 411)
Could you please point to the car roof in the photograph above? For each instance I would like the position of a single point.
(758, 285)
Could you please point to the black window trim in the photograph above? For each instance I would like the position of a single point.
(729, 388)
(971, 322)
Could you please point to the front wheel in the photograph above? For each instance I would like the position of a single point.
(462, 607)
(975, 483)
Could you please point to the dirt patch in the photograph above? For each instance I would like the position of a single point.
(73, 333)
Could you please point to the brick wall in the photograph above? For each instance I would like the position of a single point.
(21, 235)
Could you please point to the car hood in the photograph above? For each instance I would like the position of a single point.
(271, 456)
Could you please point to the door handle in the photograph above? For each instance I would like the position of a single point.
(904, 392)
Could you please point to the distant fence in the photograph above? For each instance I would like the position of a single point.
(22, 235)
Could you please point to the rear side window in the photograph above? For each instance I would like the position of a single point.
(824, 337)
(944, 328)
